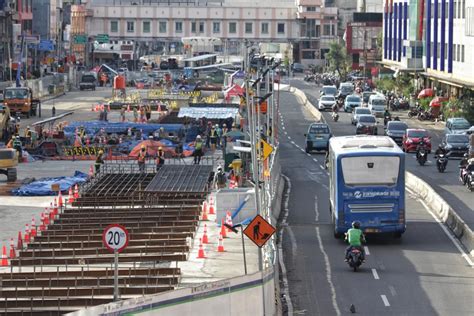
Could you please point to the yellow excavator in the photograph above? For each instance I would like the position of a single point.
(8, 156)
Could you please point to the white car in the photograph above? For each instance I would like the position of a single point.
(326, 102)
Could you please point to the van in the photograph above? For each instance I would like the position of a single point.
(377, 104)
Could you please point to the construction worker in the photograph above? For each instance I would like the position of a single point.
(213, 138)
(220, 178)
(198, 150)
(27, 136)
(17, 145)
(148, 112)
(99, 160)
(135, 114)
(142, 159)
(122, 113)
(142, 114)
(160, 158)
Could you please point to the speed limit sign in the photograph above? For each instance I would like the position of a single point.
(115, 237)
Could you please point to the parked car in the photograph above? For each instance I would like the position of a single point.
(358, 112)
(412, 138)
(296, 67)
(326, 102)
(352, 101)
(317, 137)
(456, 145)
(366, 124)
(328, 90)
(457, 125)
(396, 130)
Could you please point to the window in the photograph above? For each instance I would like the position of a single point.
(113, 26)
(178, 26)
(232, 27)
(193, 27)
(462, 53)
(264, 28)
(308, 54)
(216, 27)
(454, 52)
(370, 170)
(146, 27)
(311, 9)
(459, 53)
(281, 28)
(463, 5)
(162, 27)
(326, 30)
(130, 26)
(248, 28)
(201, 27)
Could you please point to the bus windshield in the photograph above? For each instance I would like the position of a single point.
(370, 170)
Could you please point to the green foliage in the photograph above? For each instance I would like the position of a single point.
(425, 102)
(458, 108)
(338, 59)
(385, 84)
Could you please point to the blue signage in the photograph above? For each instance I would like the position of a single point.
(46, 46)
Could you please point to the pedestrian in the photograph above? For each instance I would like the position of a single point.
(220, 180)
(53, 111)
(148, 112)
(99, 161)
(142, 159)
(142, 114)
(198, 150)
(160, 158)
(213, 138)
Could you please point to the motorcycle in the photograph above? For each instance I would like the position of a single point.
(422, 156)
(441, 162)
(355, 258)
(386, 119)
(470, 181)
(413, 112)
(463, 175)
(335, 116)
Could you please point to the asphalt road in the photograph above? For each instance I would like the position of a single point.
(446, 184)
(423, 273)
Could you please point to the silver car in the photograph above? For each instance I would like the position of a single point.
(358, 111)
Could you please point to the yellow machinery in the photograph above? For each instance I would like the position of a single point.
(8, 163)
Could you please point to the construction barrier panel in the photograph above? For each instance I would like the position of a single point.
(252, 294)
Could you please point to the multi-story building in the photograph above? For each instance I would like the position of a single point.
(449, 45)
(318, 27)
(345, 9)
(159, 26)
(47, 19)
(373, 6)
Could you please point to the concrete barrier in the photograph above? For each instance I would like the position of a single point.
(442, 210)
(436, 203)
(252, 294)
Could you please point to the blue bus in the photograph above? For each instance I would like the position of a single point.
(367, 184)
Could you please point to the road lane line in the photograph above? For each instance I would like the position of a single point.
(385, 300)
(283, 127)
(315, 160)
(445, 229)
(392, 290)
(375, 274)
(328, 272)
(316, 210)
(286, 290)
(294, 247)
(366, 249)
(321, 166)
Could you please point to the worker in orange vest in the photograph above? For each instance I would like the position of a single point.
(160, 158)
(142, 159)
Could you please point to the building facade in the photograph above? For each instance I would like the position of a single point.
(158, 26)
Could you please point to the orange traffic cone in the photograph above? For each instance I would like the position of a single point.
(211, 210)
(211, 200)
(201, 254)
(19, 243)
(204, 215)
(205, 240)
(76, 192)
(12, 249)
(55, 209)
(204, 206)
(33, 228)
(42, 226)
(220, 246)
(228, 219)
(60, 199)
(223, 230)
(70, 198)
(51, 211)
(4, 257)
(27, 234)
(46, 216)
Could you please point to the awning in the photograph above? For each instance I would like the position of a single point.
(448, 80)
(210, 113)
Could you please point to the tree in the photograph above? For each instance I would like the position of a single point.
(338, 59)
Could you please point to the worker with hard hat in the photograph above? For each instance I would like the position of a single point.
(99, 161)
(142, 158)
(198, 153)
(160, 158)
(18, 146)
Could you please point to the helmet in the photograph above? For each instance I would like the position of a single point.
(217, 125)
(160, 148)
(219, 168)
(142, 147)
(101, 152)
(465, 155)
(198, 137)
(356, 224)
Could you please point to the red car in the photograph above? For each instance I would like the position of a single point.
(412, 138)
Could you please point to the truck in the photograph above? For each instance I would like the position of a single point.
(21, 100)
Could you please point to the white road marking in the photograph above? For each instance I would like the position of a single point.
(385, 300)
(446, 231)
(375, 274)
(328, 272)
(315, 160)
(321, 166)
(292, 142)
(285, 132)
(283, 127)
(309, 155)
(316, 210)
(286, 289)
(294, 246)
(366, 249)
(392, 290)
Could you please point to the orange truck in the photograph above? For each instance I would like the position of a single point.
(20, 100)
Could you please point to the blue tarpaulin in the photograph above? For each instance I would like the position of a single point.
(93, 127)
(42, 187)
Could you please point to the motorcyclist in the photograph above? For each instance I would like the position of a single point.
(440, 151)
(421, 146)
(386, 117)
(463, 163)
(355, 237)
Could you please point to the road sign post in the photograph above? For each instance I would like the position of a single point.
(115, 238)
(233, 228)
